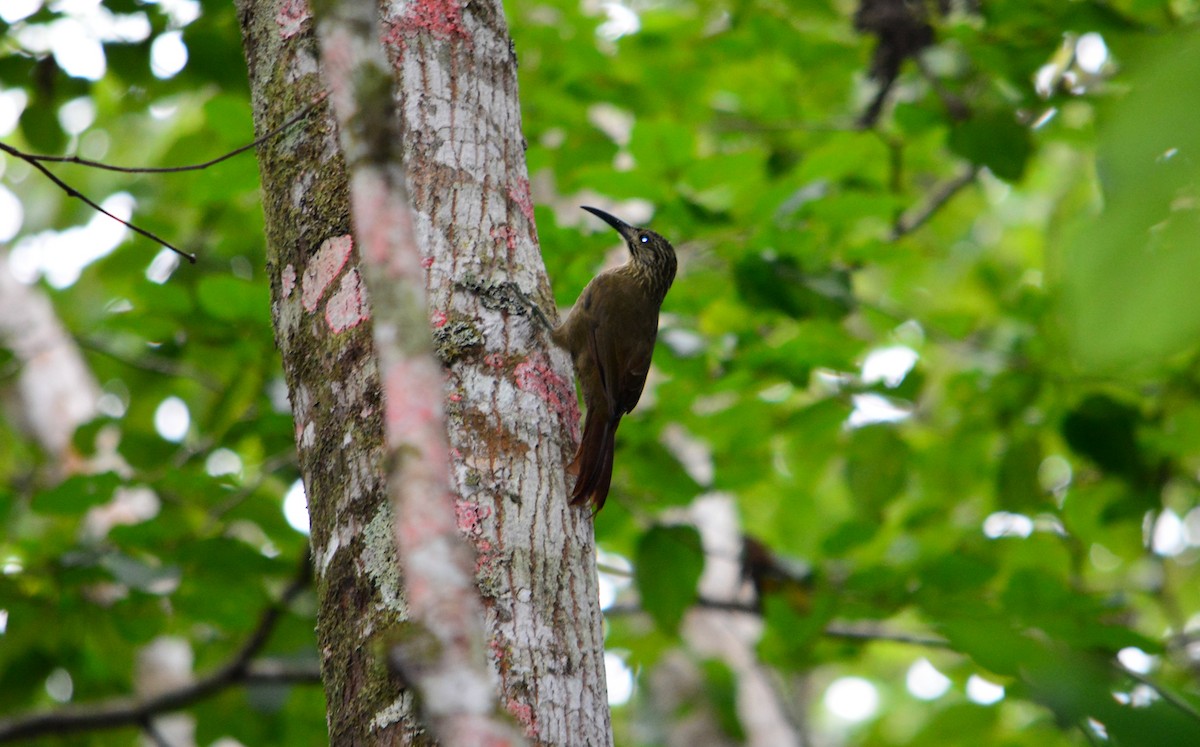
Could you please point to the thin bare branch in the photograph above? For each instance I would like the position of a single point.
(878, 634)
(72, 192)
(276, 672)
(1162, 692)
(916, 217)
(190, 167)
(834, 630)
(150, 362)
(153, 734)
(138, 711)
(39, 162)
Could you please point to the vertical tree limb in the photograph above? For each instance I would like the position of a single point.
(456, 693)
(508, 396)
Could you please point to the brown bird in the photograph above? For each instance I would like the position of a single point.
(610, 333)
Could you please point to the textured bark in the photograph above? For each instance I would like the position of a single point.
(441, 655)
(509, 397)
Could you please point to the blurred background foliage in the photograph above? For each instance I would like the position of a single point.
(938, 345)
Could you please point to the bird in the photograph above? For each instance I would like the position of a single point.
(610, 333)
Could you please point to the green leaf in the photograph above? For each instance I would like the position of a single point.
(39, 125)
(790, 634)
(876, 466)
(779, 284)
(667, 566)
(847, 536)
(140, 575)
(77, 494)
(1017, 484)
(231, 299)
(992, 642)
(995, 140)
(1104, 430)
(721, 685)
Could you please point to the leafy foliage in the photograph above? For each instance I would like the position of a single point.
(1026, 490)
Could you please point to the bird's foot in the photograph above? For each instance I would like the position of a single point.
(535, 311)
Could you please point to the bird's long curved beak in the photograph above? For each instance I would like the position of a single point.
(622, 227)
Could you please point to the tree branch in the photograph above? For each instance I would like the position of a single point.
(876, 634)
(1162, 692)
(138, 711)
(38, 162)
(844, 632)
(177, 169)
(916, 217)
(72, 192)
(444, 640)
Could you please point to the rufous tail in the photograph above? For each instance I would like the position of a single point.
(593, 462)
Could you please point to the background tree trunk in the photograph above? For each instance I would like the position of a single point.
(509, 397)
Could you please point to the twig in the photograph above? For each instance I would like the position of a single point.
(1162, 692)
(72, 192)
(843, 632)
(190, 167)
(276, 672)
(872, 635)
(917, 217)
(151, 363)
(38, 162)
(134, 711)
(154, 734)
(955, 106)
(286, 458)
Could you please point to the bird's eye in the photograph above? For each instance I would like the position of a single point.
(645, 239)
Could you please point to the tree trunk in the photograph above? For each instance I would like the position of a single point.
(510, 400)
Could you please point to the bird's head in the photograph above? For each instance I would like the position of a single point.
(647, 248)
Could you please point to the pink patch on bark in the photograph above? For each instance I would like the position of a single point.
(535, 375)
(523, 712)
(454, 397)
(323, 268)
(495, 360)
(288, 280)
(347, 307)
(438, 319)
(499, 653)
(427, 262)
(521, 195)
(485, 558)
(441, 18)
(505, 233)
(410, 407)
(470, 516)
(291, 17)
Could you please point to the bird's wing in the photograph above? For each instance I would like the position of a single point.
(632, 380)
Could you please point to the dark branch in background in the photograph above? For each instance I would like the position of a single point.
(38, 162)
(902, 30)
(151, 363)
(276, 672)
(842, 632)
(916, 217)
(873, 634)
(269, 467)
(955, 106)
(154, 734)
(1162, 692)
(876, 634)
(241, 669)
